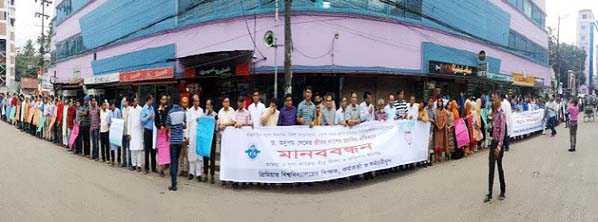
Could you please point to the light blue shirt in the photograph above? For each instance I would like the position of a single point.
(145, 112)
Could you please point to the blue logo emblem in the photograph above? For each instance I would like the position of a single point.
(252, 152)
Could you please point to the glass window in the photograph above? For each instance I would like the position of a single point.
(584, 16)
(583, 38)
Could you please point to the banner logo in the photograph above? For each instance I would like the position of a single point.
(252, 152)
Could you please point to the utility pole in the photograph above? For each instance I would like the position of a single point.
(558, 60)
(288, 44)
(42, 16)
(277, 21)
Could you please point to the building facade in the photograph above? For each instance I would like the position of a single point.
(586, 28)
(7, 45)
(217, 47)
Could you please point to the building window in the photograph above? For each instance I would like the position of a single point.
(530, 10)
(583, 27)
(525, 47)
(583, 38)
(584, 16)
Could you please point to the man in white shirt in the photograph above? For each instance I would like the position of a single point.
(270, 116)
(256, 109)
(389, 109)
(340, 113)
(135, 134)
(412, 109)
(192, 115)
(506, 107)
(366, 108)
(226, 115)
(552, 109)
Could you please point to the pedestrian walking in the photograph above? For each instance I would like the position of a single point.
(496, 148)
(573, 111)
(176, 123)
(552, 111)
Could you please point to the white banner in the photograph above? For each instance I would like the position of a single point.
(301, 154)
(527, 122)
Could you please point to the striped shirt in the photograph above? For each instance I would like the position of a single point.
(94, 117)
(401, 107)
(176, 121)
(498, 129)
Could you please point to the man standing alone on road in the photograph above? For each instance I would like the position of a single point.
(175, 123)
(573, 111)
(496, 152)
(552, 108)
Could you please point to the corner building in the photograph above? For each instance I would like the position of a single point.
(216, 48)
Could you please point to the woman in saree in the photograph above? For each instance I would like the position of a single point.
(440, 131)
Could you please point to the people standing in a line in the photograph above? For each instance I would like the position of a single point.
(105, 132)
(288, 113)
(94, 126)
(176, 123)
(84, 127)
(115, 151)
(135, 135)
(162, 143)
(271, 114)
(256, 109)
(573, 111)
(366, 108)
(401, 106)
(147, 120)
(551, 106)
(212, 160)
(192, 115)
(306, 111)
(496, 148)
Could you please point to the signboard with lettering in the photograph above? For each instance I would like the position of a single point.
(29, 83)
(483, 69)
(451, 69)
(147, 74)
(102, 79)
(520, 80)
(222, 71)
(499, 77)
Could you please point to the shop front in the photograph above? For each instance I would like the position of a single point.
(524, 84)
(453, 78)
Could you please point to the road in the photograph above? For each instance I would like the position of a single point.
(43, 182)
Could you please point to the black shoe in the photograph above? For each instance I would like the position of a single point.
(198, 179)
(501, 196)
(212, 180)
(205, 179)
(488, 198)
(571, 150)
(172, 188)
(190, 177)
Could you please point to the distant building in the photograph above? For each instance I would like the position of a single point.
(7, 45)
(586, 29)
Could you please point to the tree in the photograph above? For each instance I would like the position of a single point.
(27, 63)
(570, 58)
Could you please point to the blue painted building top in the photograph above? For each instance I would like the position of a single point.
(143, 59)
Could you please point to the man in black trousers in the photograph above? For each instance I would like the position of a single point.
(497, 150)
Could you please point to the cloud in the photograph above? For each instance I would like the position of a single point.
(568, 10)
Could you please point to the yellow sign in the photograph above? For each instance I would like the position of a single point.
(520, 80)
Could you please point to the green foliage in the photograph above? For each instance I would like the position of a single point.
(570, 57)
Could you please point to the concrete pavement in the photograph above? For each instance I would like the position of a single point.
(42, 182)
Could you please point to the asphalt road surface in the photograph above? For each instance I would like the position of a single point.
(42, 182)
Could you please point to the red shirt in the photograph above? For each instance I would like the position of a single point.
(70, 116)
(59, 113)
(13, 102)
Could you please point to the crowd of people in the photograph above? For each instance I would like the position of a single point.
(56, 119)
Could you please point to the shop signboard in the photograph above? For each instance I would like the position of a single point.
(222, 71)
(483, 69)
(102, 79)
(499, 77)
(29, 83)
(451, 69)
(539, 83)
(147, 74)
(520, 80)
